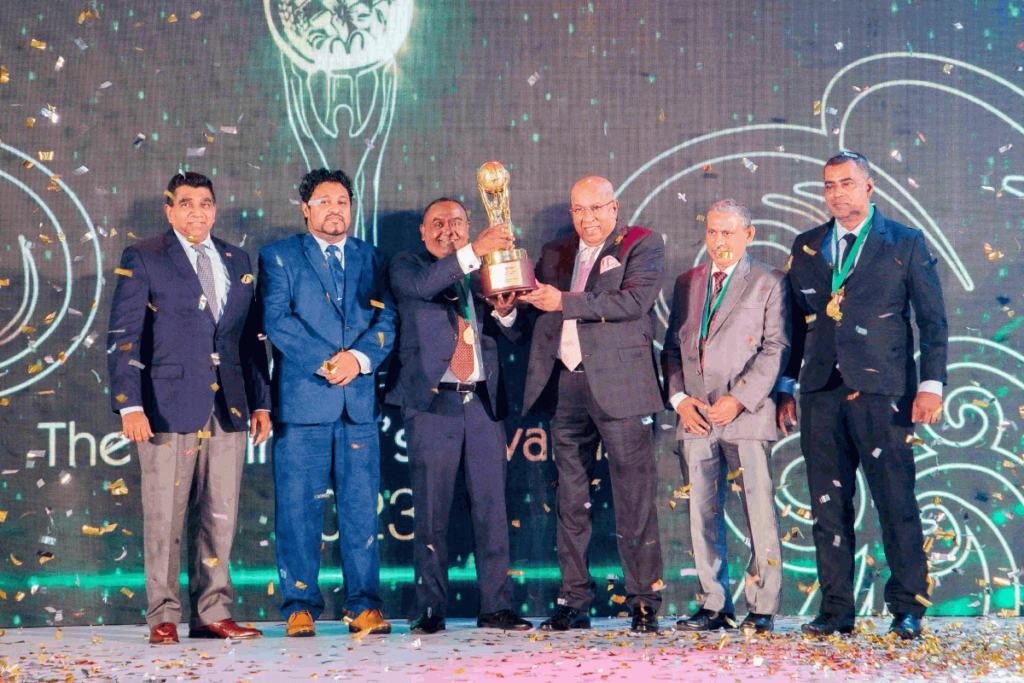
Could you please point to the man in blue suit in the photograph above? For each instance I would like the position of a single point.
(327, 312)
(450, 391)
(187, 372)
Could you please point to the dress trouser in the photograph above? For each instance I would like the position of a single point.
(308, 459)
(453, 433)
(708, 460)
(577, 427)
(185, 478)
(838, 433)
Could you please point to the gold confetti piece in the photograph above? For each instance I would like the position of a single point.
(809, 251)
(618, 599)
(5, 75)
(126, 347)
(376, 304)
(853, 396)
(151, 307)
(196, 15)
(734, 475)
(212, 562)
(122, 271)
(203, 434)
(128, 593)
(90, 530)
(810, 318)
(329, 367)
(914, 441)
(380, 335)
(937, 413)
(171, 19)
(723, 641)
(139, 49)
(516, 572)
(247, 279)
(45, 239)
(19, 596)
(215, 386)
(235, 412)
(3, 595)
(37, 44)
(33, 369)
(772, 563)
(301, 586)
(121, 398)
(980, 403)
(7, 283)
(45, 156)
(546, 509)
(515, 523)
(27, 330)
(700, 216)
(270, 588)
(3, 516)
(16, 561)
(789, 264)
(928, 544)
(923, 600)
(49, 318)
(45, 557)
(657, 585)
(672, 504)
(817, 107)
(1000, 581)
(808, 589)
(1007, 612)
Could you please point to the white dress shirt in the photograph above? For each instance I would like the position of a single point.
(584, 254)
(787, 385)
(680, 396)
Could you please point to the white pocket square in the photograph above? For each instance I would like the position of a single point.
(607, 263)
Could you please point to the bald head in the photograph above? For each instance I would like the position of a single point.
(594, 209)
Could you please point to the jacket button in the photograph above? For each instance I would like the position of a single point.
(838, 324)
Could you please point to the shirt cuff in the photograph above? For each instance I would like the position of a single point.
(786, 385)
(261, 410)
(506, 320)
(131, 409)
(468, 261)
(364, 363)
(676, 399)
(932, 386)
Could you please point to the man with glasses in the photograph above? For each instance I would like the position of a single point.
(853, 282)
(592, 368)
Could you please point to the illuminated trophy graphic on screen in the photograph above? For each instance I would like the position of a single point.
(340, 81)
(508, 270)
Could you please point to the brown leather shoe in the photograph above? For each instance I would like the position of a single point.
(300, 624)
(370, 621)
(225, 628)
(164, 633)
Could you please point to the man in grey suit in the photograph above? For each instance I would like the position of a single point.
(593, 368)
(727, 342)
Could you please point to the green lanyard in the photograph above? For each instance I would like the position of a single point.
(463, 287)
(839, 275)
(711, 306)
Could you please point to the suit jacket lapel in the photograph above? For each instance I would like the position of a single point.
(235, 290)
(737, 285)
(318, 262)
(353, 271)
(610, 245)
(567, 254)
(181, 261)
(872, 243)
(819, 260)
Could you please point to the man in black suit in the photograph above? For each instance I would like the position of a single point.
(450, 391)
(593, 367)
(187, 373)
(859, 391)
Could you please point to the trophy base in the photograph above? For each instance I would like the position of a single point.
(508, 276)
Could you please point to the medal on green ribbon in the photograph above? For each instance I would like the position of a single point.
(840, 274)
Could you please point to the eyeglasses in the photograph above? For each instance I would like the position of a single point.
(581, 211)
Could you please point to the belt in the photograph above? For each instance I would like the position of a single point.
(461, 387)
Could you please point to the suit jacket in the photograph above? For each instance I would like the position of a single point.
(174, 342)
(428, 308)
(747, 346)
(307, 325)
(874, 342)
(614, 321)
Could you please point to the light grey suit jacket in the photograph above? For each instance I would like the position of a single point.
(747, 346)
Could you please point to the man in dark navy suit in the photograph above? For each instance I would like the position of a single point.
(187, 373)
(853, 351)
(452, 399)
(330, 318)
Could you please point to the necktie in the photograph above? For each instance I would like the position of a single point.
(462, 359)
(337, 270)
(716, 290)
(205, 272)
(569, 349)
(848, 241)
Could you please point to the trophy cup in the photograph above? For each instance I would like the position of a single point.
(508, 270)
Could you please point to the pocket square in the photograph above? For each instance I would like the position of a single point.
(607, 263)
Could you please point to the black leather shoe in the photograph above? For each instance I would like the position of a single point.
(427, 623)
(760, 623)
(827, 624)
(566, 618)
(706, 620)
(906, 626)
(644, 621)
(505, 619)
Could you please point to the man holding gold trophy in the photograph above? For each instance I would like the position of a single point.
(592, 367)
(450, 391)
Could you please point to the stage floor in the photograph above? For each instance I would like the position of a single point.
(978, 649)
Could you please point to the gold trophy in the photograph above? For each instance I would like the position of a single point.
(508, 270)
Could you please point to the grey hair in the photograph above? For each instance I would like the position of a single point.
(859, 160)
(735, 208)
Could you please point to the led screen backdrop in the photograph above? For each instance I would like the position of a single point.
(678, 103)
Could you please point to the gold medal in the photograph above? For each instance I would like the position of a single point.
(469, 336)
(832, 310)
